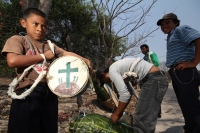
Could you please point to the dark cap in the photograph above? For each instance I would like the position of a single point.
(167, 16)
(99, 76)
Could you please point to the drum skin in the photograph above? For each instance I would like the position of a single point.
(67, 76)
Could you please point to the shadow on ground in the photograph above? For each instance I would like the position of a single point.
(175, 129)
(98, 103)
(4, 87)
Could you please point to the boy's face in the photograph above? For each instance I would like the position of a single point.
(167, 25)
(144, 50)
(36, 26)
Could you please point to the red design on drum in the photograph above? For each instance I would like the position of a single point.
(62, 90)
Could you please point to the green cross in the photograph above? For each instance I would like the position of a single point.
(68, 70)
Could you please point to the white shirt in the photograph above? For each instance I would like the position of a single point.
(118, 68)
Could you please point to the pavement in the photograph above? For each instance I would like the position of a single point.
(172, 120)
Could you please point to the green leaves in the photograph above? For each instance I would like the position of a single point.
(94, 123)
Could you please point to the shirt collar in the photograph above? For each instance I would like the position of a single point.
(171, 31)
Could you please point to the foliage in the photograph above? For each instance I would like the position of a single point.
(73, 26)
(9, 25)
(75, 20)
(94, 123)
(9, 20)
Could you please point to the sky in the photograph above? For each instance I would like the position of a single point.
(188, 14)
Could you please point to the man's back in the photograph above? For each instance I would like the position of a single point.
(150, 56)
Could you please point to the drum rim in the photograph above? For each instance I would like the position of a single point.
(82, 88)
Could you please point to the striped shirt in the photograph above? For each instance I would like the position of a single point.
(180, 44)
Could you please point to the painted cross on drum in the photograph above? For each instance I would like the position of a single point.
(68, 70)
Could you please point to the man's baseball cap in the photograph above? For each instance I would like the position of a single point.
(99, 76)
(167, 16)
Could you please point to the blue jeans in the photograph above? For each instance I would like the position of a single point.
(153, 89)
(185, 83)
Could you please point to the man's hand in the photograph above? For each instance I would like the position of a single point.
(194, 62)
(115, 118)
(183, 65)
(118, 112)
(49, 55)
(89, 65)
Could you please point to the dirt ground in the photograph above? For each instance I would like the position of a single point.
(68, 110)
(4, 82)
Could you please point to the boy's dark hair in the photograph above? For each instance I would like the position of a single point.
(144, 45)
(99, 76)
(30, 11)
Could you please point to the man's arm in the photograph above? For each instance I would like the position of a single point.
(119, 112)
(197, 52)
(124, 94)
(195, 61)
(154, 59)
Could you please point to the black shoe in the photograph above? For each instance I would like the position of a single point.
(159, 116)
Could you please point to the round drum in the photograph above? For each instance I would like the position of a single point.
(67, 76)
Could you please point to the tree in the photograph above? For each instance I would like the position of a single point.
(73, 21)
(71, 24)
(26, 4)
(43, 5)
(87, 28)
(131, 15)
(9, 25)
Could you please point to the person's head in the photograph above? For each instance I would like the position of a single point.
(144, 48)
(168, 22)
(35, 22)
(102, 75)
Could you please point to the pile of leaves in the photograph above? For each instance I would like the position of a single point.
(95, 123)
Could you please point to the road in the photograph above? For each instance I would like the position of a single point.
(172, 119)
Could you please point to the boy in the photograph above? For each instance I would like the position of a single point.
(38, 112)
(153, 84)
(183, 55)
(151, 57)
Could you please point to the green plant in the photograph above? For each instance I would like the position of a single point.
(94, 123)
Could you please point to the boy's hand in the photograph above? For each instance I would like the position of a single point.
(49, 55)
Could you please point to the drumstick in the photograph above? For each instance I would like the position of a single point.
(91, 84)
(112, 93)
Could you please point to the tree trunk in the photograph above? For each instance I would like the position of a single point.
(26, 4)
(45, 6)
(68, 42)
